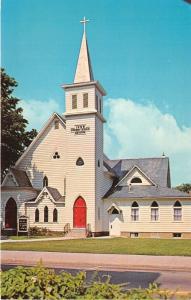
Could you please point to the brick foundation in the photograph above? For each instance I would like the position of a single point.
(162, 235)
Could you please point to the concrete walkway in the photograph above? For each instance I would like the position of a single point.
(38, 240)
(97, 261)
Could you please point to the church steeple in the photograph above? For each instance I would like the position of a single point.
(84, 71)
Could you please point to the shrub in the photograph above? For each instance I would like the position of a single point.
(42, 283)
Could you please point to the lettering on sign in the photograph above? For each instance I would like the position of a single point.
(23, 224)
(80, 129)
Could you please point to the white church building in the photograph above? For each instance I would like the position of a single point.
(64, 182)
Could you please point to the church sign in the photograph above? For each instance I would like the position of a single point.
(23, 224)
(80, 129)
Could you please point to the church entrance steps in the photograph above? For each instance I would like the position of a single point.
(77, 233)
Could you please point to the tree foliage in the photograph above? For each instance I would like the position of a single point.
(14, 136)
(185, 187)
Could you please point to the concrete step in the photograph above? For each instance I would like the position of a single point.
(77, 232)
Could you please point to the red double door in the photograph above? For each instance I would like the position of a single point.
(79, 213)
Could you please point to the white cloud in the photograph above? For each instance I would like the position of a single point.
(37, 112)
(142, 130)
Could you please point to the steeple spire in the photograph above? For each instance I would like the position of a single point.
(84, 71)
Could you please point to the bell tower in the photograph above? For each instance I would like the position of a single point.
(84, 130)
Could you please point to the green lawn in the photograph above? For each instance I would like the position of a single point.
(113, 245)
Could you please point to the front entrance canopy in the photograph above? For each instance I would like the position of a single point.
(114, 209)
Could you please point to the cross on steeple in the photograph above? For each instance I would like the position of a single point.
(84, 21)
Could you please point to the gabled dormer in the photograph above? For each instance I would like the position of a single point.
(135, 176)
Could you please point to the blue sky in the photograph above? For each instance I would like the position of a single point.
(140, 52)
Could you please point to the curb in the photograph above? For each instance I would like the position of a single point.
(104, 267)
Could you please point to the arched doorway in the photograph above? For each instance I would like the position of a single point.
(79, 213)
(11, 214)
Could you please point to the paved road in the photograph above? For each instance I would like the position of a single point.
(133, 279)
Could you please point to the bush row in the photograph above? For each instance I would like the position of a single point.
(42, 283)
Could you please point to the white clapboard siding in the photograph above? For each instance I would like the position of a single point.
(165, 222)
(81, 179)
(39, 159)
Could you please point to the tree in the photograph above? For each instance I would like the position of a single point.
(185, 187)
(14, 136)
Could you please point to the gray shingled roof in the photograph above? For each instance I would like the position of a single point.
(55, 194)
(21, 177)
(155, 168)
(138, 191)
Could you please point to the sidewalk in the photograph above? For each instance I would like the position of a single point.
(97, 261)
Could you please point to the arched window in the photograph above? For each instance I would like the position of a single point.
(37, 215)
(11, 214)
(55, 215)
(46, 214)
(136, 180)
(79, 162)
(177, 211)
(134, 211)
(45, 181)
(154, 211)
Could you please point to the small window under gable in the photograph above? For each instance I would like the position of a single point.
(45, 181)
(56, 124)
(79, 162)
(115, 211)
(136, 180)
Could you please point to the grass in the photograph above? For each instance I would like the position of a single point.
(109, 246)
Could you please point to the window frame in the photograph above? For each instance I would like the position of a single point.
(45, 181)
(55, 215)
(74, 101)
(177, 211)
(46, 214)
(154, 211)
(85, 100)
(37, 215)
(135, 212)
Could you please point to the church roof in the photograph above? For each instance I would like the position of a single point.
(138, 191)
(21, 177)
(84, 71)
(55, 194)
(157, 169)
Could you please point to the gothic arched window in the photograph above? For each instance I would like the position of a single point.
(154, 211)
(37, 215)
(177, 211)
(45, 181)
(135, 211)
(55, 215)
(46, 214)
(79, 162)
